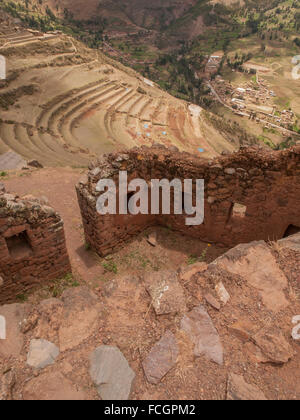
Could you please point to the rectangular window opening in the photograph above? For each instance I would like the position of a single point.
(19, 245)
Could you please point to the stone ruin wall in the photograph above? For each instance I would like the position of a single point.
(253, 194)
(32, 245)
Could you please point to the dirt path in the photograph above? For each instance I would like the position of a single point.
(58, 185)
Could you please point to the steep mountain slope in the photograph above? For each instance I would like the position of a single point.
(63, 104)
(75, 102)
(138, 13)
(135, 15)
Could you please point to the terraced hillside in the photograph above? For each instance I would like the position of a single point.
(63, 104)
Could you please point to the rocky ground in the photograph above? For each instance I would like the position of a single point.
(222, 330)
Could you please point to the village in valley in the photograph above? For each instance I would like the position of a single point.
(253, 99)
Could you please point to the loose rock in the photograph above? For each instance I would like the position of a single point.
(239, 390)
(161, 358)
(42, 353)
(242, 330)
(152, 239)
(273, 345)
(212, 301)
(201, 331)
(223, 295)
(292, 242)
(111, 373)
(166, 293)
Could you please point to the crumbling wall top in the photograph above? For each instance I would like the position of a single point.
(141, 161)
(27, 209)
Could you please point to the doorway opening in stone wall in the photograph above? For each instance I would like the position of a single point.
(291, 230)
(19, 245)
(129, 196)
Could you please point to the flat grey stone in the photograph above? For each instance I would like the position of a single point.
(111, 373)
(199, 327)
(42, 353)
(162, 358)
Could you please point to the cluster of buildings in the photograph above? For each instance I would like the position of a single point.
(254, 100)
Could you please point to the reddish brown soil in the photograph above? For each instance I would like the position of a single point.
(128, 319)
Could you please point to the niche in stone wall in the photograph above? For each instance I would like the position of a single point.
(291, 230)
(19, 245)
(236, 210)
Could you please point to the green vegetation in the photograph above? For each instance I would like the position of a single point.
(11, 97)
(57, 287)
(192, 259)
(110, 267)
(47, 21)
(267, 141)
(173, 61)
(22, 298)
(175, 54)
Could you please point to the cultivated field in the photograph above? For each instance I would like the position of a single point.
(63, 104)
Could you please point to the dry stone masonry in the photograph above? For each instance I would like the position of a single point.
(32, 245)
(253, 194)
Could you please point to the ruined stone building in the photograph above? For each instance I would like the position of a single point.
(250, 195)
(32, 245)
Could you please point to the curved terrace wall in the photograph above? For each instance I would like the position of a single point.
(250, 195)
